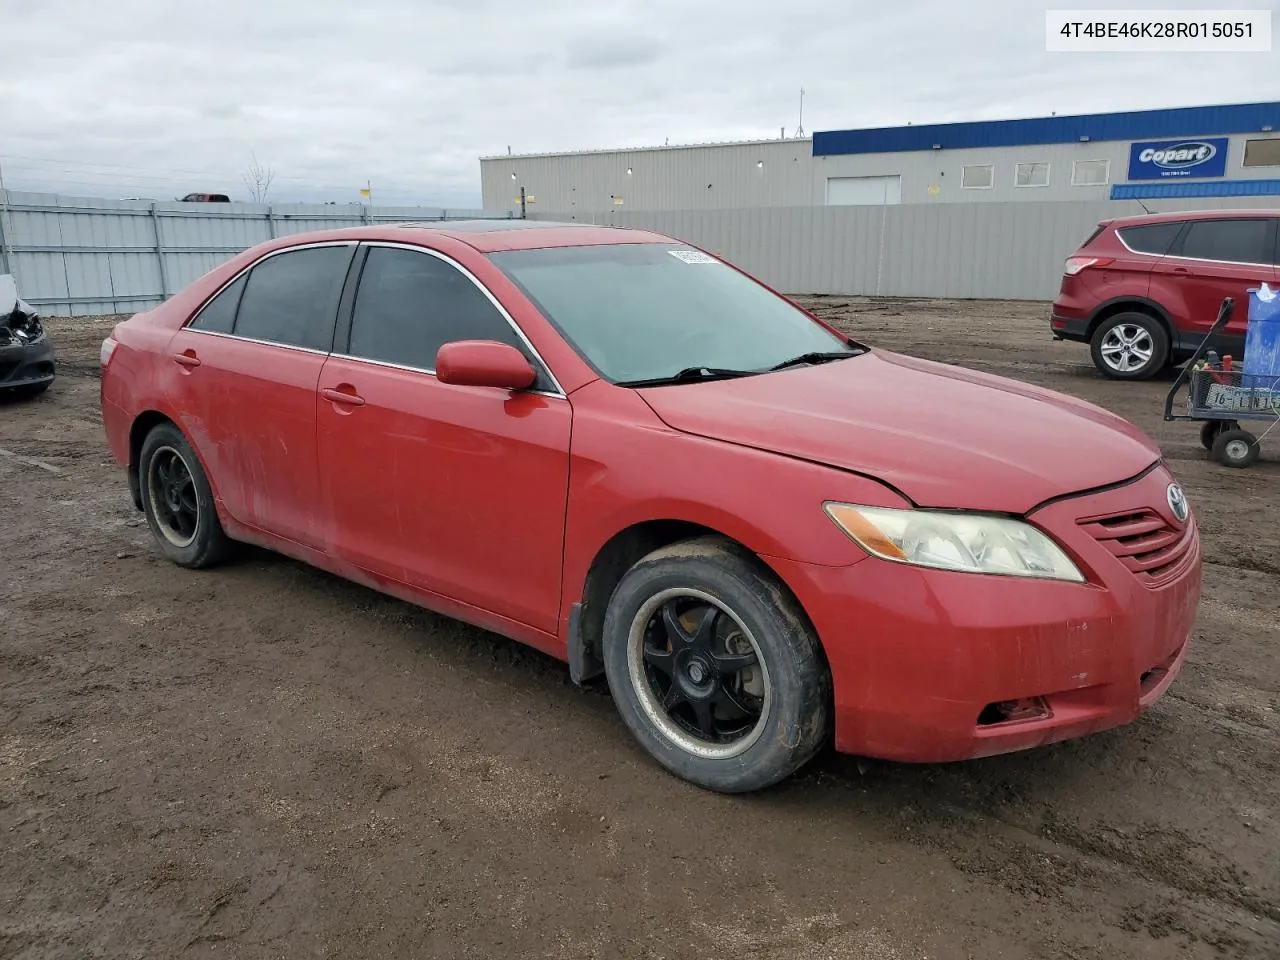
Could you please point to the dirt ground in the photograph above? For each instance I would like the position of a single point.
(266, 761)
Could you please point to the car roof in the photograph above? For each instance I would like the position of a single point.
(489, 236)
(1179, 215)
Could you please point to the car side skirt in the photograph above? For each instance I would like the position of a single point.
(445, 606)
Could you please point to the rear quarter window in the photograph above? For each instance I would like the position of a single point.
(1154, 238)
(1093, 236)
(219, 314)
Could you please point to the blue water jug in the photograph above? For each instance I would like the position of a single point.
(1261, 366)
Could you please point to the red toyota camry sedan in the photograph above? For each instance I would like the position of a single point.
(629, 454)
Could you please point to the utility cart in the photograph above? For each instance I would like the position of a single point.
(1222, 395)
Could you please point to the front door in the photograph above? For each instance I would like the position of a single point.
(1212, 260)
(249, 364)
(460, 491)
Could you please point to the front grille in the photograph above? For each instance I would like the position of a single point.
(1143, 541)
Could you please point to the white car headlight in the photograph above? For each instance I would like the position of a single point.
(970, 542)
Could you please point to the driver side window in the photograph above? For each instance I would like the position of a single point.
(409, 304)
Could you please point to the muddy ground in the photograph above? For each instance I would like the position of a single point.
(266, 761)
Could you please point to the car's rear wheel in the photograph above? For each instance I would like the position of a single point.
(1130, 346)
(714, 668)
(178, 501)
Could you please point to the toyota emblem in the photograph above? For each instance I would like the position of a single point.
(1178, 502)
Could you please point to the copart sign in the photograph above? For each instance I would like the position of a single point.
(1157, 159)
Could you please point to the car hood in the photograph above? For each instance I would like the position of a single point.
(944, 436)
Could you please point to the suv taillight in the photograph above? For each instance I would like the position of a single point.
(108, 348)
(1076, 264)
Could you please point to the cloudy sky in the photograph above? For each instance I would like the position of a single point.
(154, 98)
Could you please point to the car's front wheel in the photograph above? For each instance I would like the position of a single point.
(178, 501)
(714, 667)
(1130, 346)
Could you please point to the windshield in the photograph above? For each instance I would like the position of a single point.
(644, 311)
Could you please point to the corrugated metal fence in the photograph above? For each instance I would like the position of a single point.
(85, 256)
(1009, 250)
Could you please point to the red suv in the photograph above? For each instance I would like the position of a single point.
(1143, 291)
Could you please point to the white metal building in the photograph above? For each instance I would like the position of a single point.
(1200, 152)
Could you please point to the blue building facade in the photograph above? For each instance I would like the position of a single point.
(1207, 151)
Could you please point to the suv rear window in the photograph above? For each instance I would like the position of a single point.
(1154, 238)
(1233, 241)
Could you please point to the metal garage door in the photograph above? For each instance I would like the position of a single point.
(854, 191)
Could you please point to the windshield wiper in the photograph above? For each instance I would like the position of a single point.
(817, 357)
(687, 374)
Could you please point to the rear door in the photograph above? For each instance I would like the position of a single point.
(250, 361)
(459, 491)
(1210, 260)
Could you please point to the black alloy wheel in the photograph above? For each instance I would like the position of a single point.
(178, 500)
(172, 490)
(701, 672)
(715, 668)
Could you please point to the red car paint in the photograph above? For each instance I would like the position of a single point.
(400, 481)
(1168, 279)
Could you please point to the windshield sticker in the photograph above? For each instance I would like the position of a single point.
(693, 256)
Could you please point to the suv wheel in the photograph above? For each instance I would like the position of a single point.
(1130, 346)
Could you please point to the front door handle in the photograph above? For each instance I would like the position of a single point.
(187, 358)
(348, 396)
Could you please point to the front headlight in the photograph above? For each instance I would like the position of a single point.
(970, 542)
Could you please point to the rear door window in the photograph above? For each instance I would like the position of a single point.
(409, 304)
(1231, 241)
(1153, 238)
(292, 298)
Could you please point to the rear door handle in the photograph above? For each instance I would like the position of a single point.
(188, 359)
(342, 396)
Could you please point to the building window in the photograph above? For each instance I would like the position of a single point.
(978, 176)
(1090, 173)
(1035, 174)
(1262, 153)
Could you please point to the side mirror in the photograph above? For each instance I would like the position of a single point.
(484, 363)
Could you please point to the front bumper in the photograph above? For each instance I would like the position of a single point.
(920, 657)
(23, 365)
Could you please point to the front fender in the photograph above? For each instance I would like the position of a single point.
(622, 475)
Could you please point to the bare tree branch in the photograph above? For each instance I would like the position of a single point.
(257, 179)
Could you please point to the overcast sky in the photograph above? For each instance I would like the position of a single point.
(154, 98)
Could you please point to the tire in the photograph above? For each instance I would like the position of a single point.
(1126, 337)
(1236, 448)
(784, 673)
(197, 541)
(1210, 431)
